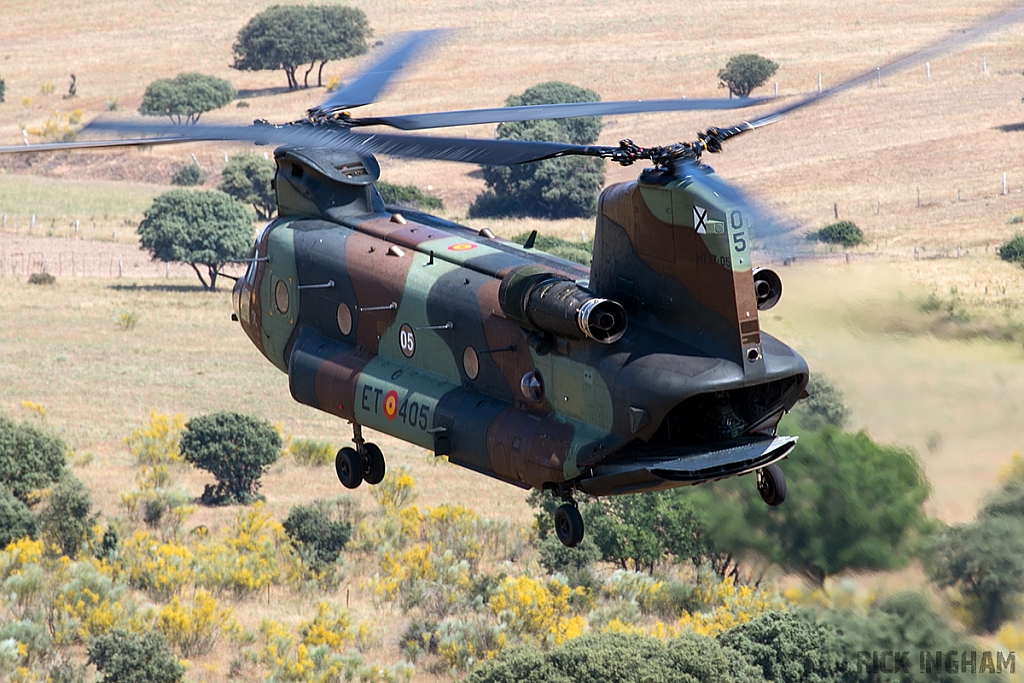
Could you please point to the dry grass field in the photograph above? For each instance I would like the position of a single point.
(869, 154)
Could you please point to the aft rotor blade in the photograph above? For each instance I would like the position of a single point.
(90, 144)
(949, 44)
(371, 83)
(474, 151)
(469, 117)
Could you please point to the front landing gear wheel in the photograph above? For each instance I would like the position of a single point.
(569, 525)
(373, 464)
(771, 484)
(349, 467)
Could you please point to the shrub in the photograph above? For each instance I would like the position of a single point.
(66, 521)
(249, 179)
(408, 196)
(3, 89)
(30, 458)
(158, 442)
(312, 453)
(845, 233)
(823, 406)
(578, 252)
(788, 647)
(16, 520)
(124, 657)
(41, 279)
(318, 538)
(1013, 250)
(194, 628)
(188, 175)
(743, 73)
(576, 563)
(236, 449)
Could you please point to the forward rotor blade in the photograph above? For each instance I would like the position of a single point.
(369, 84)
(90, 144)
(949, 44)
(474, 151)
(469, 117)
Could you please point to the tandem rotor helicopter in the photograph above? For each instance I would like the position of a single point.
(647, 371)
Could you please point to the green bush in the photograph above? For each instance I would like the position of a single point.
(41, 279)
(3, 89)
(845, 233)
(553, 188)
(316, 534)
(236, 449)
(123, 657)
(30, 458)
(408, 196)
(1013, 250)
(743, 73)
(188, 175)
(67, 518)
(16, 520)
(788, 647)
(576, 563)
(824, 405)
(312, 453)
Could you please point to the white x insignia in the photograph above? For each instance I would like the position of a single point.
(700, 220)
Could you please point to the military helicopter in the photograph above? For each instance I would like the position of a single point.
(647, 371)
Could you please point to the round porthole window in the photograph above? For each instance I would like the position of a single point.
(532, 386)
(281, 296)
(345, 319)
(470, 362)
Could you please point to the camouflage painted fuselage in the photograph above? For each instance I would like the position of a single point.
(401, 322)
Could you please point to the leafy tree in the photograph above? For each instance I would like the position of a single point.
(30, 458)
(67, 519)
(845, 233)
(787, 647)
(188, 175)
(409, 196)
(16, 520)
(248, 178)
(985, 562)
(1008, 501)
(824, 405)
(576, 563)
(3, 89)
(285, 37)
(1013, 250)
(318, 537)
(198, 228)
(236, 449)
(857, 505)
(553, 188)
(188, 95)
(127, 657)
(743, 73)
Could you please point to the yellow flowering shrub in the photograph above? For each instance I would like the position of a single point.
(18, 554)
(537, 611)
(195, 628)
(418, 576)
(336, 628)
(154, 502)
(161, 569)
(157, 443)
(728, 607)
(253, 557)
(33, 407)
(397, 491)
(88, 600)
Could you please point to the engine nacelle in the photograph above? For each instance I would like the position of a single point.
(767, 288)
(542, 301)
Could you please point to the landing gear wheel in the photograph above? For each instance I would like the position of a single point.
(349, 467)
(373, 464)
(569, 525)
(771, 484)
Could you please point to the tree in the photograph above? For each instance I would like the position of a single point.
(824, 405)
(316, 535)
(16, 520)
(856, 504)
(743, 73)
(198, 228)
(248, 178)
(126, 657)
(787, 647)
(984, 561)
(67, 519)
(285, 37)
(3, 89)
(189, 95)
(1013, 250)
(553, 188)
(844, 233)
(188, 175)
(236, 449)
(30, 458)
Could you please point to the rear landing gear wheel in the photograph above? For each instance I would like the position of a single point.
(349, 467)
(771, 484)
(569, 525)
(373, 464)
